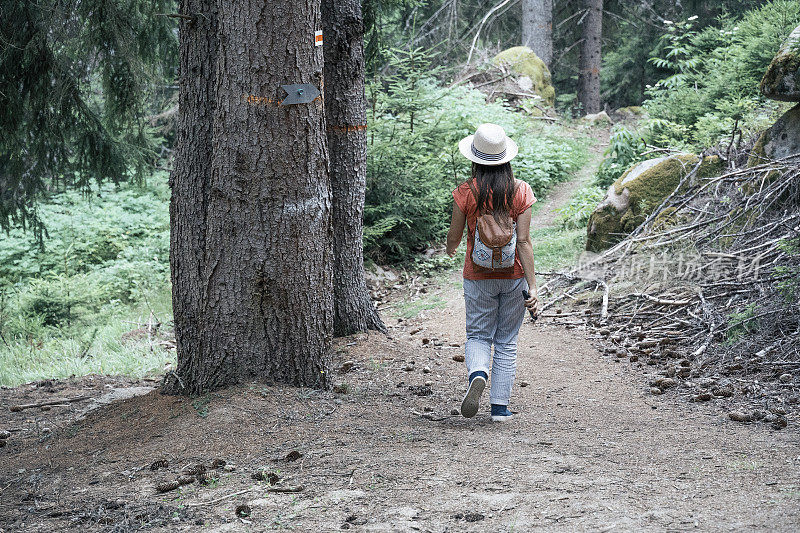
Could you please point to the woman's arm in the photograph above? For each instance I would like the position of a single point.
(525, 250)
(456, 230)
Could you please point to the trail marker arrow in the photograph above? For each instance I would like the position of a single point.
(299, 93)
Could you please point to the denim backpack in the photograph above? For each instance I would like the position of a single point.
(495, 242)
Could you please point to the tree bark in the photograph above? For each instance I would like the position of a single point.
(251, 253)
(537, 28)
(190, 178)
(346, 115)
(589, 76)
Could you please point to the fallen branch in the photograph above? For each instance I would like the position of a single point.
(21, 407)
(604, 306)
(698, 352)
(223, 498)
(661, 301)
(293, 488)
(480, 27)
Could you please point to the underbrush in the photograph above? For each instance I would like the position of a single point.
(713, 83)
(710, 293)
(575, 214)
(709, 95)
(101, 271)
(414, 163)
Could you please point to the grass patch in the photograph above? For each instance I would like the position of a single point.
(413, 308)
(556, 248)
(57, 353)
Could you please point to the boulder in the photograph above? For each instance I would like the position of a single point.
(630, 112)
(781, 81)
(781, 140)
(597, 118)
(637, 193)
(532, 71)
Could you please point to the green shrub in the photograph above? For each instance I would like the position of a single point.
(741, 323)
(715, 74)
(624, 149)
(102, 250)
(575, 214)
(413, 160)
(49, 301)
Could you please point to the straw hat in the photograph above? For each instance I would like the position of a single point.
(489, 146)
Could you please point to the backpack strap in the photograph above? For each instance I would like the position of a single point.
(474, 193)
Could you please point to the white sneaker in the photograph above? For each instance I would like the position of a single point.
(501, 415)
(469, 405)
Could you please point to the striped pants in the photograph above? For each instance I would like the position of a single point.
(495, 310)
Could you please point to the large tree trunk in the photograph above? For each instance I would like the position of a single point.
(346, 114)
(190, 179)
(537, 28)
(251, 254)
(589, 77)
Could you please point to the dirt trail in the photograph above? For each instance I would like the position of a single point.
(589, 449)
(546, 214)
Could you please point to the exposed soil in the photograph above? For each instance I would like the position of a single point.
(588, 450)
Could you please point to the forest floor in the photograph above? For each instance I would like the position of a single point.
(589, 449)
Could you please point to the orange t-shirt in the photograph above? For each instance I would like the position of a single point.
(465, 201)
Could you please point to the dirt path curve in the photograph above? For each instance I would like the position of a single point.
(547, 211)
(588, 450)
(591, 450)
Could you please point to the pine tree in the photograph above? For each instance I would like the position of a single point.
(251, 218)
(537, 28)
(74, 77)
(590, 60)
(346, 114)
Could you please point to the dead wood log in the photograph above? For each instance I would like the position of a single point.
(21, 407)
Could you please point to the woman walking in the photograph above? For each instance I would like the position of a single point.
(496, 210)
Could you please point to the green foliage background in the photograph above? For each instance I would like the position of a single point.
(76, 82)
(413, 159)
(715, 74)
(102, 270)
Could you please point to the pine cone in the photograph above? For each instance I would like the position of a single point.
(206, 477)
(185, 480)
(243, 511)
(167, 486)
(195, 469)
(161, 463)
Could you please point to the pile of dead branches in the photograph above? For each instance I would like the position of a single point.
(707, 288)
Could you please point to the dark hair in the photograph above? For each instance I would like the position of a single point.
(495, 182)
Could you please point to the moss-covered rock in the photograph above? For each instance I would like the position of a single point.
(781, 140)
(782, 81)
(638, 192)
(665, 218)
(631, 111)
(523, 61)
(597, 118)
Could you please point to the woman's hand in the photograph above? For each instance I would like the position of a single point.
(452, 252)
(532, 303)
